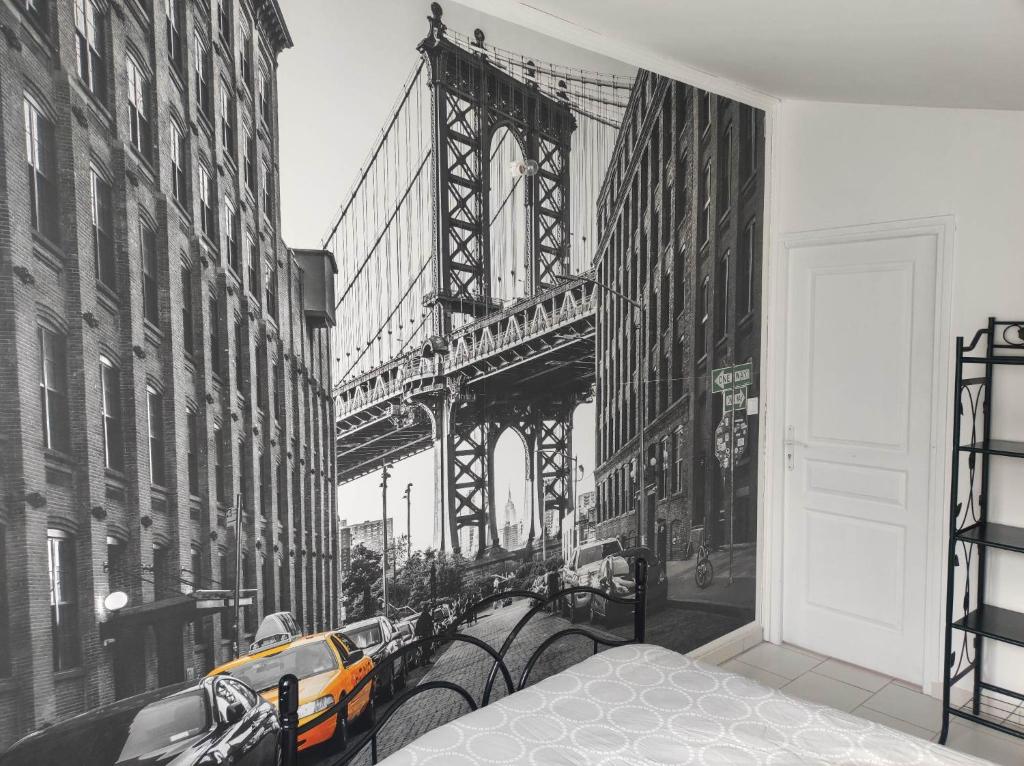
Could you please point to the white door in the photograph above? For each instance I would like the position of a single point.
(861, 325)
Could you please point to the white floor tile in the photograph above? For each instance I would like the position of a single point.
(853, 675)
(762, 676)
(827, 691)
(808, 652)
(780, 660)
(895, 723)
(985, 743)
(908, 705)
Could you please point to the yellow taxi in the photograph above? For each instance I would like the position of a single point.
(327, 666)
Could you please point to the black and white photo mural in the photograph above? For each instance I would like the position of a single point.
(546, 356)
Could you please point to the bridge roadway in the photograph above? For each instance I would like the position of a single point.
(533, 350)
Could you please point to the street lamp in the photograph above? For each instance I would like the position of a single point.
(408, 521)
(640, 308)
(385, 474)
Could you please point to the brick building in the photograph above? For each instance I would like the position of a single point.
(679, 216)
(162, 352)
(367, 533)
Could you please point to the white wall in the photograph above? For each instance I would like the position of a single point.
(843, 165)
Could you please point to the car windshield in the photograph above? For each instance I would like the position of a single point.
(302, 661)
(165, 722)
(597, 552)
(618, 566)
(368, 635)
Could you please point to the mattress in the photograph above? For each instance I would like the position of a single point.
(643, 704)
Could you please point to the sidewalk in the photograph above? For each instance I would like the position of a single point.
(720, 594)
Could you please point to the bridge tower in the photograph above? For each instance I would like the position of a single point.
(472, 99)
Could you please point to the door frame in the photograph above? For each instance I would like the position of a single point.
(775, 362)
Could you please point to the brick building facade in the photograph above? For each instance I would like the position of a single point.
(679, 219)
(158, 352)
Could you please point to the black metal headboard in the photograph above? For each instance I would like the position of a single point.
(288, 688)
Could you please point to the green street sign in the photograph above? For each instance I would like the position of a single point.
(734, 400)
(725, 378)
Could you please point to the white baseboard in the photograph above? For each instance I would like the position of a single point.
(724, 648)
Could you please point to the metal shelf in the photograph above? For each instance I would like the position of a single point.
(994, 622)
(1005, 447)
(1002, 536)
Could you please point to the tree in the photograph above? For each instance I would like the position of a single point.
(362, 583)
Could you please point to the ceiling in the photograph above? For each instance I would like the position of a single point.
(944, 53)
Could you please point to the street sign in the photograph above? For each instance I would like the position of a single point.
(723, 439)
(739, 437)
(724, 378)
(721, 379)
(734, 400)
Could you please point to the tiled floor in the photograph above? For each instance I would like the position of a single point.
(872, 696)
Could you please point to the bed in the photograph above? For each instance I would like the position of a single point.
(633, 704)
(643, 704)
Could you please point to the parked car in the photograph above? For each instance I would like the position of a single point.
(407, 634)
(657, 577)
(217, 720)
(581, 570)
(378, 638)
(326, 664)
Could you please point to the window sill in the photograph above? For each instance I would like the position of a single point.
(153, 333)
(203, 122)
(723, 217)
(115, 476)
(108, 296)
(101, 109)
(58, 459)
(177, 78)
(68, 675)
(182, 207)
(48, 248)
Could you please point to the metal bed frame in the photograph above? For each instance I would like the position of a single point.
(288, 688)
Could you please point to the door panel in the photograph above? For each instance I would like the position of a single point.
(858, 429)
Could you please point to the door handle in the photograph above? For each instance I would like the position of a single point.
(791, 443)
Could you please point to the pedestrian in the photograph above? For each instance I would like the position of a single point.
(553, 588)
(425, 629)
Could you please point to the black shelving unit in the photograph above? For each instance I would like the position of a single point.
(970, 620)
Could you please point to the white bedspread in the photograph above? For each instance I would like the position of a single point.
(643, 704)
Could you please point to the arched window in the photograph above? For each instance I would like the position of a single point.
(110, 393)
(53, 389)
(155, 406)
(42, 170)
(63, 572)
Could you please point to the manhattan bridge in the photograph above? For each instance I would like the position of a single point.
(465, 304)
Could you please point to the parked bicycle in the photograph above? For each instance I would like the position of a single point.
(705, 570)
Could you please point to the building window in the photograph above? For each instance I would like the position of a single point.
(678, 452)
(192, 427)
(219, 460)
(245, 54)
(187, 326)
(155, 408)
(721, 295)
(163, 586)
(138, 109)
(745, 284)
(725, 171)
(39, 11)
(700, 341)
(272, 290)
(5, 625)
(262, 392)
(252, 266)
(227, 118)
(179, 154)
(682, 189)
(206, 219)
(110, 392)
(263, 86)
(195, 568)
(42, 171)
(282, 494)
(704, 229)
(239, 356)
(150, 278)
(63, 600)
(704, 117)
(172, 10)
(53, 389)
(215, 350)
(265, 499)
(231, 236)
(224, 20)
(249, 160)
(90, 46)
(268, 190)
(204, 97)
(103, 231)
(278, 396)
(665, 464)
